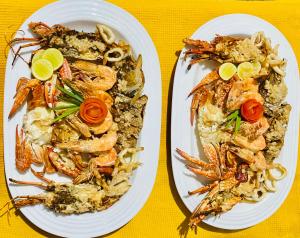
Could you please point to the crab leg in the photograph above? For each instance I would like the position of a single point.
(198, 100)
(199, 43)
(21, 201)
(212, 76)
(211, 153)
(38, 184)
(204, 189)
(194, 160)
(18, 39)
(40, 175)
(24, 46)
(204, 208)
(206, 173)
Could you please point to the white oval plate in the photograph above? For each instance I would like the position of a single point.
(83, 15)
(183, 136)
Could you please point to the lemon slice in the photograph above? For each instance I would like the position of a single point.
(256, 67)
(227, 70)
(54, 56)
(42, 69)
(245, 70)
(38, 55)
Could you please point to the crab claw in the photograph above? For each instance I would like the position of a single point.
(50, 91)
(23, 88)
(65, 71)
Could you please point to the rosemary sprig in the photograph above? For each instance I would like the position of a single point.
(70, 93)
(65, 114)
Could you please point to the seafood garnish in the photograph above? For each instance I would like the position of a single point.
(241, 120)
(84, 115)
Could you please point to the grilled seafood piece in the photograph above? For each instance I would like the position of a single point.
(85, 87)
(72, 43)
(104, 143)
(99, 77)
(103, 126)
(23, 158)
(210, 85)
(24, 86)
(76, 123)
(254, 130)
(66, 198)
(256, 48)
(219, 199)
(102, 164)
(63, 132)
(26, 152)
(218, 168)
(62, 164)
(37, 97)
(241, 91)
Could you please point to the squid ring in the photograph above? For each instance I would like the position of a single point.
(117, 50)
(106, 33)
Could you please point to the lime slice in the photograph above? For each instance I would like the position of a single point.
(38, 55)
(245, 70)
(227, 70)
(42, 69)
(54, 56)
(256, 67)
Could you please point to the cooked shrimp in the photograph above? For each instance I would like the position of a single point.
(242, 91)
(106, 158)
(87, 90)
(254, 130)
(103, 126)
(256, 161)
(106, 142)
(101, 77)
(23, 88)
(256, 145)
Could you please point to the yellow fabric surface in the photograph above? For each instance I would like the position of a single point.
(168, 22)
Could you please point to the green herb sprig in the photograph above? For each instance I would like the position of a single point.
(71, 93)
(74, 99)
(235, 118)
(65, 114)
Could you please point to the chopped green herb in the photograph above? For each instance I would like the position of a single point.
(70, 94)
(64, 107)
(234, 117)
(65, 114)
(237, 124)
(69, 99)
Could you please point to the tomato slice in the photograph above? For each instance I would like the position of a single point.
(93, 110)
(252, 110)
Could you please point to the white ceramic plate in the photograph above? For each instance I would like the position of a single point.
(183, 136)
(83, 15)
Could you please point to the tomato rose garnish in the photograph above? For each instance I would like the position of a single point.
(93, 110)
(252, 110)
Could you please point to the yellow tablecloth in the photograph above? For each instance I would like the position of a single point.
(168, 22)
